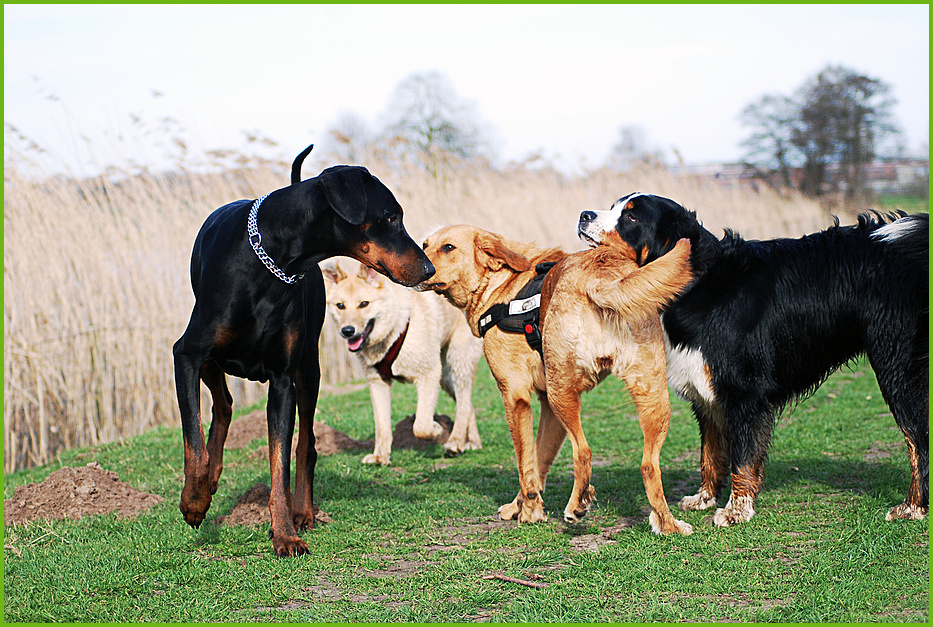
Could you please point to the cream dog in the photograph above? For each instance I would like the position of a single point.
(411, 337)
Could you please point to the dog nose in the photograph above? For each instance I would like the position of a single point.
(587, 216)
(347, 331)
(429, 269)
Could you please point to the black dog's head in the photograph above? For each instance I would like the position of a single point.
(366, 223)
(646, 226)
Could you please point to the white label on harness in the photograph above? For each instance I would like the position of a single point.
(521, 306)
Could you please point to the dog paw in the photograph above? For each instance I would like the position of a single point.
(671, 525)
(524, 510)
(700, 500)
(906, 512)
(434, 432)
(454, 448)
(373, 458)
(736, 511)
(574, 512)
(509, 511)
(289, 546)
(194, 505)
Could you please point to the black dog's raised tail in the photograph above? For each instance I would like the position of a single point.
(296, 164)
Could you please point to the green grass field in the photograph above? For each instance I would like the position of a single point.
(414, 541)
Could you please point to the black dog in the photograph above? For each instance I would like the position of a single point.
(765, 322)
(259, 306)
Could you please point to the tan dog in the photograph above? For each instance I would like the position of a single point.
(437, 350)
(598, 317)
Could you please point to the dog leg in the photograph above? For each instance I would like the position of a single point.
(380, 394)
(714, 458)
(551, 435)
(654, 415)
(196, 494)
(428, 385)
(566, 406)
(281, 418)
(459, 372)
(903, 383)
(307, 386)
(916, 505)
(528, 506)
(222, 410)
(746, 483)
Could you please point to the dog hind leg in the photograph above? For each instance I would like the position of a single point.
(221, 410)
(902, 378)
(307, 385)
(654, 415)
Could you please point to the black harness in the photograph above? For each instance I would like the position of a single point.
(522, 314)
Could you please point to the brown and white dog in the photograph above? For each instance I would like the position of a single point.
(599, 315)
(411, 337)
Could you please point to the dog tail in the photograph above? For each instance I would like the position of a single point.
(648, 288)
(296, 164)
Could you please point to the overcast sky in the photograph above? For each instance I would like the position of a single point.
(556, 79)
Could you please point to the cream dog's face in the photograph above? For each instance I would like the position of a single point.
(357, 304)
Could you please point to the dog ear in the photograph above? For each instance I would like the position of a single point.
(344, 188)
(332, 272)
(492, 253)
(370, 276)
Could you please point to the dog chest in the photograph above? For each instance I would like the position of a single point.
(688, 374)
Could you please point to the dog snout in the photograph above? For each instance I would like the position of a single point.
(348, 331)
(587, 216)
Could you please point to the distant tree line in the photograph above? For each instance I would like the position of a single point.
(821, 138)
(818, 140)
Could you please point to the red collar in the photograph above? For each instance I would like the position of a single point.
(384, 367)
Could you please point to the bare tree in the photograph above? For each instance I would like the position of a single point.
(350, 137)
(769, 147)
(632, 147)
(834, 123)
(426, 112)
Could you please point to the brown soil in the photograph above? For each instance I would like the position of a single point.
(252, 508)
(78, 492)
(327, 439)
(74, 493)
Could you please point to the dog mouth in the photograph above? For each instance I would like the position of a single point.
(437, 287)
(587, 238)
(355, 343)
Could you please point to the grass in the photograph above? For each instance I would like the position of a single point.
(412, 541)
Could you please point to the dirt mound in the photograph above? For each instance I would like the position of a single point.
(327, 439)
(74, 493)
(252, 508)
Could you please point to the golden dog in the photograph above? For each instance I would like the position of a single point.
(599, 315)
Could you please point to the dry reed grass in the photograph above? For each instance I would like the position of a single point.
(96, 272)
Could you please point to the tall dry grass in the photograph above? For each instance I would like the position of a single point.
(96, 285)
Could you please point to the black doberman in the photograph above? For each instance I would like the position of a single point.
(259, 306)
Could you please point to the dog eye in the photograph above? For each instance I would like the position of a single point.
(340, 306)
(631, 217)
(363, 304)
(448, 248)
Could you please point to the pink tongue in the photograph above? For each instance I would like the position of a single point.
(354, 343)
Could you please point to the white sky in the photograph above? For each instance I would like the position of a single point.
(560, 79)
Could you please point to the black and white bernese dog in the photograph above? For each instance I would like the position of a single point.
(763, 323)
